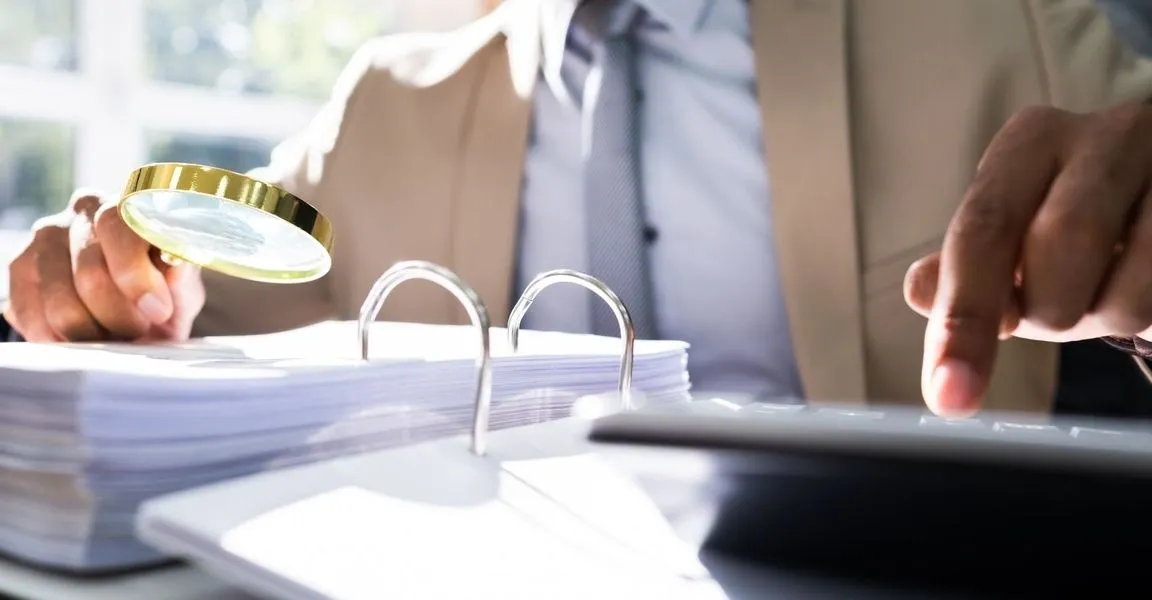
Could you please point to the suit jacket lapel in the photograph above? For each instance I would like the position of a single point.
(486, 195)
(803, 89)
(804, 100)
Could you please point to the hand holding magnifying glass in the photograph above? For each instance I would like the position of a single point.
(128, 268)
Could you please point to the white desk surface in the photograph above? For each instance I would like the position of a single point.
(167, 583)
(740, 581)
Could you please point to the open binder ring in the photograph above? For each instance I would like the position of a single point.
(627, 330)
(403, 271)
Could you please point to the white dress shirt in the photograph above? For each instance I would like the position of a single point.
(706, 193)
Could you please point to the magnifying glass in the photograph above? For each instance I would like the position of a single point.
(227, 222)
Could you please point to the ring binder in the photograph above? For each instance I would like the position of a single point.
(627, 331)
(477, 312)
(513, 514)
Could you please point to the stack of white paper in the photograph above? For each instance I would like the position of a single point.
(89, 431)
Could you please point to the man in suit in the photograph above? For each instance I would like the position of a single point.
(773, 181)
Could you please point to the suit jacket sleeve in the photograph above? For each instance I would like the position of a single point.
(301, 165)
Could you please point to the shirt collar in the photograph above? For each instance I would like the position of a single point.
(682, 17)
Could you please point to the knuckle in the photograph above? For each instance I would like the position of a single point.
(105, 303)
(107, 219)
(22, 268)
(54, 222)
(68, 320)
(93, 282)
(59, 320)
(1098, 172)
(983, 221)
(1071, 233)
(1038, 115)
(66, 314)
(128, 282)
(46, 244)
(956, 320)
(49, 233)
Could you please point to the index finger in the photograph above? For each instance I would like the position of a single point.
(978, 262)
(130, 264)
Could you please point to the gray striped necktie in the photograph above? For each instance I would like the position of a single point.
(617, 250)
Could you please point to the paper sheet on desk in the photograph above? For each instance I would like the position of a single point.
(539, 517)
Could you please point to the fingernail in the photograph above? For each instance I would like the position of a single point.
(955, 388)
(154, 309)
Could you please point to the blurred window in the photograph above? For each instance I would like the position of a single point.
(91, 89)
(291, 47)
(40, 34)
(238, 154)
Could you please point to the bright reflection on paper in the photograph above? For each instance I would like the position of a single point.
(352, 543)
(594, 406)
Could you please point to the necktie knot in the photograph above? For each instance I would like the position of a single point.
(599, 20)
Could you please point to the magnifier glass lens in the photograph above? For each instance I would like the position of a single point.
(226, 236)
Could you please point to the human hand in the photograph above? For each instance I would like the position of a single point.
(1052, 242)
(87, 276)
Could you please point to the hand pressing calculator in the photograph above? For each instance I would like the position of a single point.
(1000, 503)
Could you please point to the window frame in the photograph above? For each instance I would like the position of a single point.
(112, 104)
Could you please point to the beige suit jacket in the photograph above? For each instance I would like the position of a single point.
(874, 112)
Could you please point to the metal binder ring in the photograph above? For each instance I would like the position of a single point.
(588, 282)
(416, 269)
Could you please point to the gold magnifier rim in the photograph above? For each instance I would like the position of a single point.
(238, 188)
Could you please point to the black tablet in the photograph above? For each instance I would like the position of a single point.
(1001, 503)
